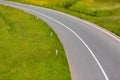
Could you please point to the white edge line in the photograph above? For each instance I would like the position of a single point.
(94, 25)
(105, 31)
(86, 22)
(105, 75)
(89, 23)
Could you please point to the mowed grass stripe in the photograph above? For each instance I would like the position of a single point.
(27, 50)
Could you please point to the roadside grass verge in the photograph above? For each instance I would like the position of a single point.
(105, 13)
(27, 50)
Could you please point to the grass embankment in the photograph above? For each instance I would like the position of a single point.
(105, 13)
(27, 51)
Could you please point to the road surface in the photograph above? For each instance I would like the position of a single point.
(92, 53)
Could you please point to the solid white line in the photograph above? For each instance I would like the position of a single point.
(100, 66)
(94, 26)
(102, 29)
(105, 75)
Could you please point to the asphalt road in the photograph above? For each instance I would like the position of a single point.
(92, 53)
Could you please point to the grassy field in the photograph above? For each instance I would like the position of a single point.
(27, 50)
(105, 13)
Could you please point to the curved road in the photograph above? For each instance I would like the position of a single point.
(92, 53)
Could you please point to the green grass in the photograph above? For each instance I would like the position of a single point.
(27, 51)
(105, 13)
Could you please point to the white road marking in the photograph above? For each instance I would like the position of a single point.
(101, 29)
(100, 66)
(93, 25)
(105, 75)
